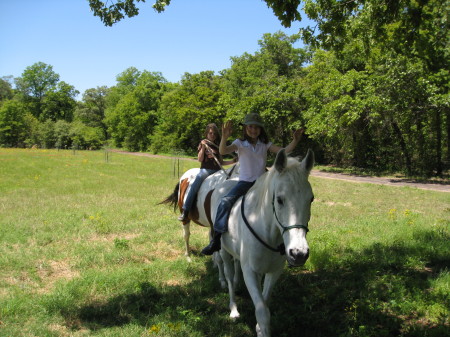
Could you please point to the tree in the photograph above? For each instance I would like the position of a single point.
(412, 108)
(132, 106)
(35, 82)
(59, 102)
(411, 32)
(185, 111)
(6, 91)
(46, 134)
(286, 11)
(12, 124)
(62, 134)
(338, 116)
(117, 11)
(91, 111)
(267, 83)
(85, 137)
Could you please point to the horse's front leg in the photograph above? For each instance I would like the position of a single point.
(187, 235)
(237, 273)
(229, 275)
(262, 313)
(218, 262)
(269, 283)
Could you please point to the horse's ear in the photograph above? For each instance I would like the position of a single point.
(281, 160)
(308, 161)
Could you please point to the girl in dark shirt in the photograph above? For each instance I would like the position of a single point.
(209, 156)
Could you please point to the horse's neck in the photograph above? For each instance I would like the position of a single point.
(264, 217)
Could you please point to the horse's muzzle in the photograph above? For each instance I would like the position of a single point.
(297, 257)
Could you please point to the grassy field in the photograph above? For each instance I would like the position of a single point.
(86, 251)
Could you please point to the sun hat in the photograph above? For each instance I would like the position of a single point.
(253, 119)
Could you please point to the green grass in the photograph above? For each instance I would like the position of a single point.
(86, 251)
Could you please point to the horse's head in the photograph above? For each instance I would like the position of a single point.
(292, 197)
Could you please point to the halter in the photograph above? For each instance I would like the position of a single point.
(281, 248)
(286, 228)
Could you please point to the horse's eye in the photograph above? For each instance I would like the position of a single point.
(280, 201)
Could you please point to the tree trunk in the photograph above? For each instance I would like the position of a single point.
(398, 133)
(438, 126)
(447, 113)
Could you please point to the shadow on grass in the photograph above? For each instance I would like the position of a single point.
(197, 309)
(375, 292)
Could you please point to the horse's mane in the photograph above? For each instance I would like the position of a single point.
(264, 184)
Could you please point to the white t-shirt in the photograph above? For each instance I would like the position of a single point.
(252, 159)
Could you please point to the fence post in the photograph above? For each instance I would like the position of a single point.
(176, 163)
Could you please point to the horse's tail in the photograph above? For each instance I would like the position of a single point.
(172, 199)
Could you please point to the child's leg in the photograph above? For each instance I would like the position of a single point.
(223, 213)
(190, 198)
(227, 202)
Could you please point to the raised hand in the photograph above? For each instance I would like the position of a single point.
(297, 135)
(227, 128)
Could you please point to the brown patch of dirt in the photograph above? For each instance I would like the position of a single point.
(52, 271)
(166, 251)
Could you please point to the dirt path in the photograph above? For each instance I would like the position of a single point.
(441, 186)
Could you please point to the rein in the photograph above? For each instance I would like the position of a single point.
(281, 248)
(217, 160)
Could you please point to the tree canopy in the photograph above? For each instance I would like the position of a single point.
(371, 87)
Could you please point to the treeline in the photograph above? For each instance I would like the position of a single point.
(378, 110)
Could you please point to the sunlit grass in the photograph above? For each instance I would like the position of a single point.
(86, 251)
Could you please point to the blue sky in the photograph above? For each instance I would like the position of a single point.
(190, 36)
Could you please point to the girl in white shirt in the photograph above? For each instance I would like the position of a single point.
(252, 150)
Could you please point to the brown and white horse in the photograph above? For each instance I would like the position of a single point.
(201, 213)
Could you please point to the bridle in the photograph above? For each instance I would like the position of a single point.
(281, 248)
(286, 228)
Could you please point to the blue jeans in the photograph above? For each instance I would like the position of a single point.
(192, 194)
(227, 202)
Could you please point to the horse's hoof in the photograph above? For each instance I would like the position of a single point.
(258, 331)
(234, 315)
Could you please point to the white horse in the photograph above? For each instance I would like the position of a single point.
(267, 227)
(201, 213)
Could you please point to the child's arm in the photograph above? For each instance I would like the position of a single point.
(295, 139)
(229, 162)
(201, 151)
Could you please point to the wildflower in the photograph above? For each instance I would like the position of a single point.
(393, 213)
(174, 327)
(155, 329)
